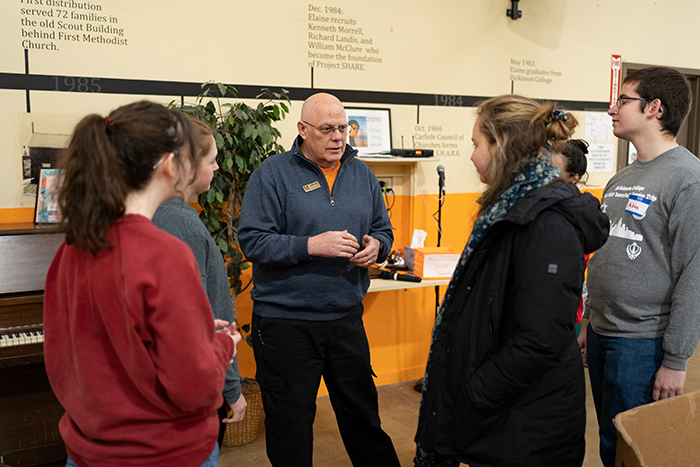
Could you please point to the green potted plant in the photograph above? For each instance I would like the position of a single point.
(245, 136)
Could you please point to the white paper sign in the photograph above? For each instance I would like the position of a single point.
(600, 157)
(439, 265)
(598, 128)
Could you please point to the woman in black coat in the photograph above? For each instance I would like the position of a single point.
(504, 385)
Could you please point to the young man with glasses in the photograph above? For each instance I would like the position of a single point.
(643, 292)
(312, 221)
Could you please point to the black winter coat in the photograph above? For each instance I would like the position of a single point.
(505, 384)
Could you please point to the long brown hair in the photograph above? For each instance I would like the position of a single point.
(205, 137)
(110, 157)
(519, 127)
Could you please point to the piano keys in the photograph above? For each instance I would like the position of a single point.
(21, 335)
(29, 410)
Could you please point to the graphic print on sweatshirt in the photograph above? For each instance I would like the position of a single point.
(636, 204)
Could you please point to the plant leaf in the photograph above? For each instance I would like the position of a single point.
(240, 163)
(244, 138)
(223, 246)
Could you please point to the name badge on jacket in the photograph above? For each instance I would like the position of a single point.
(637, 206)
(311, 187)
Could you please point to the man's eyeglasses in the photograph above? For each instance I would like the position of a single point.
(621, 100)
(327, 129)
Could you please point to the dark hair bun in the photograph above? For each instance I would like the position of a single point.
(582, 145)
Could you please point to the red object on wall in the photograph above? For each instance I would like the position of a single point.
(615, 78)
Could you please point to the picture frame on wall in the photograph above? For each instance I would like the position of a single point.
(369, 131)
(47, 210)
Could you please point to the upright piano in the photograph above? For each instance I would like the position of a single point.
(29, 410)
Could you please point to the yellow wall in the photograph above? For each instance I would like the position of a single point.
(16, 215)
(441, 49)
(398, 323)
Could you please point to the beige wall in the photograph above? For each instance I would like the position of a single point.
(442, 47)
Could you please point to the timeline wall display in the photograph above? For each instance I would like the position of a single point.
(338, 41)
(46, 24)
(364, 45)
(528, 71)
(441, 141)
(422, 61)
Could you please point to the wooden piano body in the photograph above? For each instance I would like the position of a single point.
(29, 411)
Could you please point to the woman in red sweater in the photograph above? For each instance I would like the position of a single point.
(131, 350)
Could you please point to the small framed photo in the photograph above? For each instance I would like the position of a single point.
(370, 130)
(47, 210)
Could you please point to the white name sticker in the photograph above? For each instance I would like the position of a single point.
(637, 206)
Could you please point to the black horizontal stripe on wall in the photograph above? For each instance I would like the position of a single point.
(63, 83)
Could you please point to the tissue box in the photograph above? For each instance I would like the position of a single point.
(409, 258)
(435, 262)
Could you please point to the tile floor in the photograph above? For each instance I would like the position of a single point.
(398, 405)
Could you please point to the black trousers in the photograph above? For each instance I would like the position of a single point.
(291, 356)
(221, 413)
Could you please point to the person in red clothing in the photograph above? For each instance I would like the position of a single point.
(131, 349)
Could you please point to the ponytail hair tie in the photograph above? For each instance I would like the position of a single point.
(556, 115)
(108, 123)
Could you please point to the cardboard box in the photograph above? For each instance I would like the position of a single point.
(435, 262)
(665, 433)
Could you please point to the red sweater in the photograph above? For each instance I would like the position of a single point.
(579, 312)
(131, 351)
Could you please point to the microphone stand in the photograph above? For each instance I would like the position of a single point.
(418, 386)
(441, 201)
